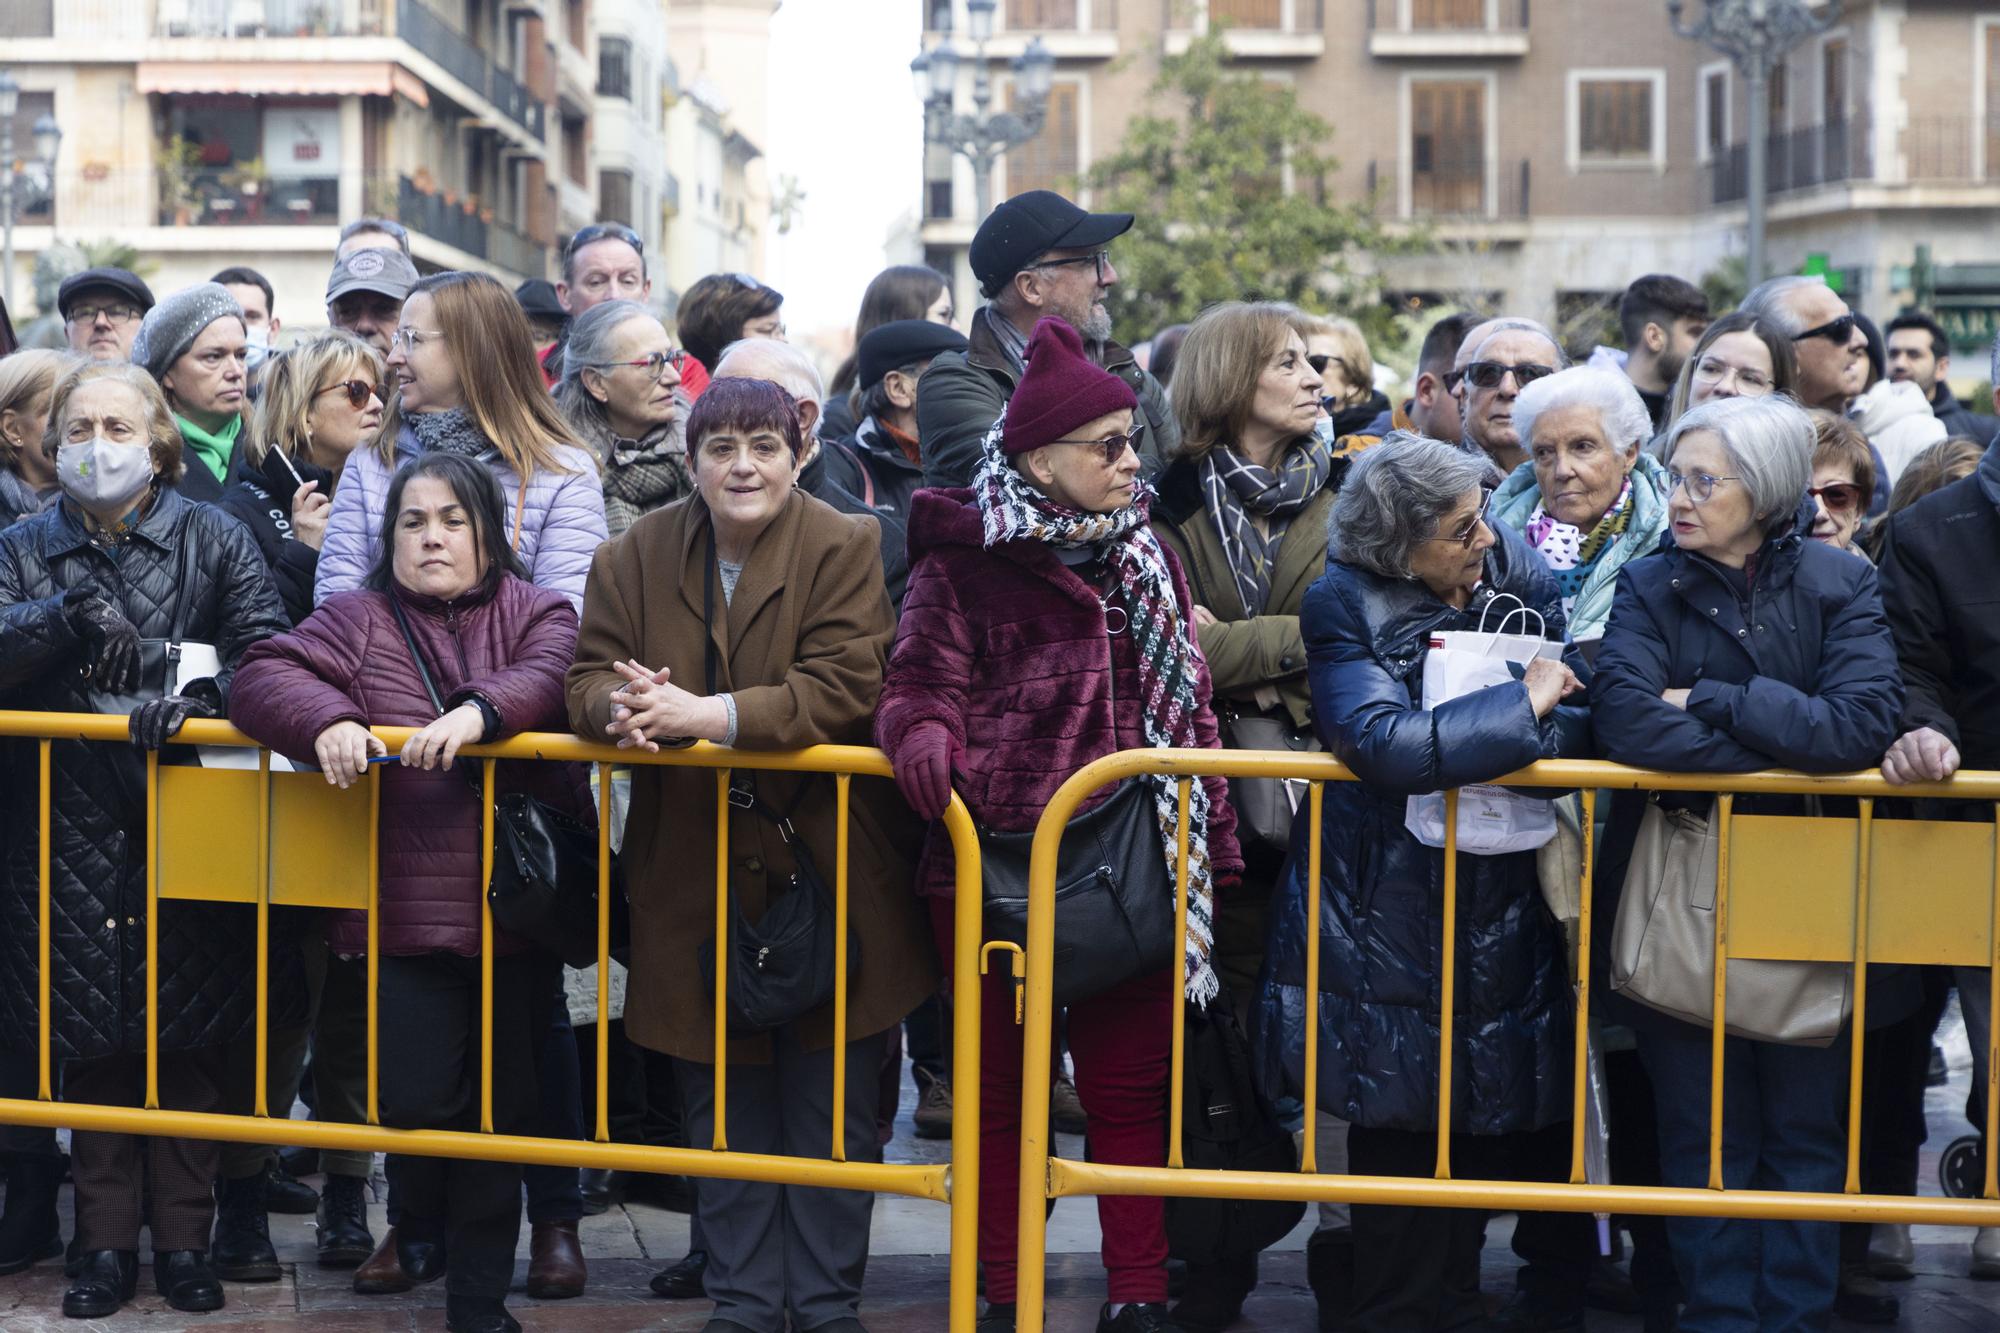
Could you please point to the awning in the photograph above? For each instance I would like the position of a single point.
(282, 78)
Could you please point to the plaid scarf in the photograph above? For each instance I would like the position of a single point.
(1570, 552)
(1012, 509)
(1236, 488)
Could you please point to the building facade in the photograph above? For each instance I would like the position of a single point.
(1555, 151)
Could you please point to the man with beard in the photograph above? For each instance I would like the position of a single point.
(1496, 361)
(1833, 364)
(1037, 255)
(1661, 317)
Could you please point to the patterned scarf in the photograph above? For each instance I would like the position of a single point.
(1570, 552)
(1012, 509)
(449, 432)
(1236, 488)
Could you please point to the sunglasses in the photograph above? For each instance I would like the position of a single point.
(1840, 498)
(1834, 330)
(1320, 361)
(358, 392)
(1488, 374)
(1112, 447)
(601, 231)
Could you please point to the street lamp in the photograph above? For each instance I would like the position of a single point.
(984, 136)
(1756, 35)
(48, 138)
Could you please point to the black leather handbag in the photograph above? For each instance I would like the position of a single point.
(544, 886)
(1114, 894)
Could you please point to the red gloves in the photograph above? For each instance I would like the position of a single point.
(923, 768)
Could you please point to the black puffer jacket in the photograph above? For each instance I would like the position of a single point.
(262, 502)
(97, 866)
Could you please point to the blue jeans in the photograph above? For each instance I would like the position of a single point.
(1781, 1130)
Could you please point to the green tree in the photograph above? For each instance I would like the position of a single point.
(1205, 169)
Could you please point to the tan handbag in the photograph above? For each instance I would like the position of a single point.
(1663, 945)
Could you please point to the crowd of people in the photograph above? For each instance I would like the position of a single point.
(1747, 540)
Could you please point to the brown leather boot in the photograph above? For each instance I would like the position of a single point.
(382, 1274)
(555, 1262)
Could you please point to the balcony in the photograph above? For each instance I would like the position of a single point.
(422, 28)
(1453, 185)
(228, 198)
(1447, 29)
(1259, 29)
(268, 18)
(1834, 153)
(1071, 29)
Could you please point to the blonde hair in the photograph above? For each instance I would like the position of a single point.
(486, 335)
(291, 384)
(26, 378)
(1220, 362)
(1934, 469)
(163, 436)
(1350, 349)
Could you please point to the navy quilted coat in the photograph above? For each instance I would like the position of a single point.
(97, 862)
(1382, 892)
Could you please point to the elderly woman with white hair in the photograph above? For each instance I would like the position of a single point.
(1589, 498)
(1744, 645)
(1410, 554)
(621, 393)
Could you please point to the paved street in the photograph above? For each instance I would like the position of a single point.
(906, 1276)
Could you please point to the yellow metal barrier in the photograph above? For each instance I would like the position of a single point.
(1925, 892)
(303, 854)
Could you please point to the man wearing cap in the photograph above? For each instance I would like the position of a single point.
(1037, 255)
(194, 344)
(887, 467)
(546, 317)
(101, 309)
(366, 291)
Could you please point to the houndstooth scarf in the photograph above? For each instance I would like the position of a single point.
(1236, 488)
(1012, 509)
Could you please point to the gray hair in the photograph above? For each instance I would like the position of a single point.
(589, 348)
(1395, 496)
(1619, 409)
(1770, 301)
(1769, 443)
(1469, 350)
(782, 364)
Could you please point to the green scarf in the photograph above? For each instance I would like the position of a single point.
(213, 450)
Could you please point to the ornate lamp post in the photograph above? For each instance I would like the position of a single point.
(1755, 35)
(984, 136)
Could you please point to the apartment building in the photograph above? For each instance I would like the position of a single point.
(1556, 148)
(716, 129)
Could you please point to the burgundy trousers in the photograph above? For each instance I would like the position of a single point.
(1120, 1042)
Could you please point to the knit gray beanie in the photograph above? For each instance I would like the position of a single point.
(171, 327)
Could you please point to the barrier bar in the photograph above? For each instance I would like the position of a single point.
(43, 803)
(719, 1137)
(1447, 983)
(968, 1001)
(1580, 1088)
(603, 1073)
(1309, 1149)
(841, 784)
(486, 950)
(1859, 1023)
(1176, 1060)
(152, 926)
(260, 1100)
(1992, 1186)
(374, 940)
(1718, 1028)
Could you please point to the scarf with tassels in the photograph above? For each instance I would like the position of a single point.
(1012, 509)
(1570, 552)
(1240, 492)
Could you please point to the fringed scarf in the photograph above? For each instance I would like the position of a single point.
(1237, 488)
(1570, 552)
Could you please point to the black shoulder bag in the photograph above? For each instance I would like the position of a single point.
(544, 886)
(782, 968)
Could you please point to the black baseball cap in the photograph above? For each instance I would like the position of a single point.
(538, 300)
(1029, 226)
(123, 281)
(905, 342)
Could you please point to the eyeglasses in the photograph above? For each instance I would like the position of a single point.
(1100, 259)
(1712, 370)
(1488, 374)
(358, 392)
(653, 364)
(599, 231)
(1840, 498)
(1700, 485)
(412, 339)
(1112, 447)
(121, 313)
(1469, 531)
(1834, 330)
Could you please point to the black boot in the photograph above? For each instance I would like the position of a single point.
(185, 1278)
(682, 1281)
(594, 1185)
(1215, 1294)
(242, 1249)
(283, 1193)
(105, 1280)
(344, 1239)
(29, 1230)
(478, 1314)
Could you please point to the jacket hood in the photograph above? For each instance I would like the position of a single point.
(1889, 402)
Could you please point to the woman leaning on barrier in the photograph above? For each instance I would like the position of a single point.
(495, 648)
(90, 591)
(1411, 554)
(1042, 617)
(752, 615)
(1743, 645)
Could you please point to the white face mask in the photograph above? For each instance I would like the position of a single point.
(101, 476)
(256, 346)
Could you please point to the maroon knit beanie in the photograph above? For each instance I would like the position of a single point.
(1062, 389)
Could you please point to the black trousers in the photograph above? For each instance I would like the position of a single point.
(1895, 1062)
(1417, 1269)
(430, 1080)
(21, 1076)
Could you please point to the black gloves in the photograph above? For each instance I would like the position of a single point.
(111, 639)
(157, 719)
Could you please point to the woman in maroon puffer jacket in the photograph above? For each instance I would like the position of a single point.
(1045, 627)
(496, 648)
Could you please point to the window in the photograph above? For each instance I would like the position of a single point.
(614, 196)
(34, 198)
(1448, 146)
(28, 18)
(1426, 15)
(1780, 97)
(614, 68)
(1247, 13)
(1052, 159)
(576, 150)
(1992, 102)
(1027, 15)
(1616, 118)
(1833, 80)
(577, 27)
(1712, 134)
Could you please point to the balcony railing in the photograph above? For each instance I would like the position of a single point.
(1455, 185)
(1799, 159)
(517, 103)
(267, 18)
(422, 28)
(442, 221)
(225, 198)
(1447, 16)
(1059, 16)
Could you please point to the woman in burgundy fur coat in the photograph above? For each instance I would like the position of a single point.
(1041, 618)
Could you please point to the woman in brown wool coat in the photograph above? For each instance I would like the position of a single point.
(791, 654)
